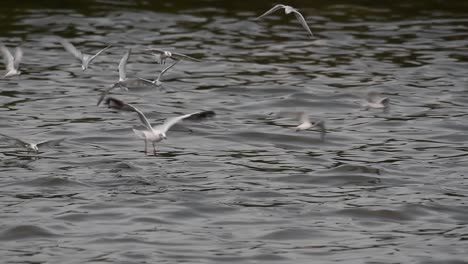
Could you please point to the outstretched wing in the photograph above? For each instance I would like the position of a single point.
(15, 141)
(303, 117)
(384, 101)
(142, 117)
(50, 143)
(123, 66)
(97, 54)
(172, 121)
(180, 56)
(273, 9)
(146, 80)
(302, 20)
(121, 105)
(9, 60)
(165, 70)
(153, 50)
(105, 92)
(70, 48)
(118, 104)
(18, 57)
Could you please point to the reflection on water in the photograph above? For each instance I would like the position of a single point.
(243, 187)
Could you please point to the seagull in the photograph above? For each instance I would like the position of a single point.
(85, 59)
(305, 124)
(157, 82)
(374, 100)
(33, 147)
(164, 54)
(157, 133)
(288, 10)
(12, 63)
(122, 83)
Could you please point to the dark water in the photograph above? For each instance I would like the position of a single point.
(243, 187)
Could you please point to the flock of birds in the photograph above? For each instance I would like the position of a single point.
(154, 134)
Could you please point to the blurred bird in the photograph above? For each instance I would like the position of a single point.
(288, 10)
(164, 54)
(306, 124)
(85, 59)
(11, 63)
(158, 82)
(33, 147)
(375, 100)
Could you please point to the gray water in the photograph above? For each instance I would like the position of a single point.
(243, 187)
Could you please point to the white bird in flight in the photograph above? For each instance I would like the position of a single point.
(11, 63)
(123, 81)
(158, 82)
(85, 59)
(374, 100)
(157, 133)
(305, 124)
(164, 54)
(33, 147)
(288, 10)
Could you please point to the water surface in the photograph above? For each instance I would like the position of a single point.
(243, 187)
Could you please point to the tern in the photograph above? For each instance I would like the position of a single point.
(158, 82)
(374, 100)
(12, 63)
(33, 147)
(85, 59)
(164, 54)
(306, 124)
(123, 81)
(288, 10)
(157, 133)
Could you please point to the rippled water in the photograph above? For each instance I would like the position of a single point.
(384, 187)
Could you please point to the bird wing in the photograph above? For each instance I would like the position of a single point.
(273, 9)
(16, 141)
(165, 70)
(118, 104)
(141, 116)
(70, 48)
(50, 143)
(18, 57)
(180, 56)
(103, 95)
(146, 80)
(172, 121)
(97, 54)
(153, 50)
(302, 20)
(303, 117)
(384, 100)
(123, 66)
(9, 60)
(321, 126)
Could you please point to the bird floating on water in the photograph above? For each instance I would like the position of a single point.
(306, 124)
(375, 100)
(288, 10)
(12, 63)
